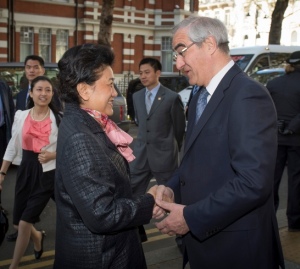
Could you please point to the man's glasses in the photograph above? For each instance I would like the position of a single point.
(176, 53)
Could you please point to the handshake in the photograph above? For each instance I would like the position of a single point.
(174, 221)
(161, 193)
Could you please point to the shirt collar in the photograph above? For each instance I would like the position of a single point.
(154, 90)
(215, 81)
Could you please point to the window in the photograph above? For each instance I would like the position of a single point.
(26, 40)
(61, 43)
(167, 54)
(227, 17)
(294, 38)
(189, 5)
(45, 44)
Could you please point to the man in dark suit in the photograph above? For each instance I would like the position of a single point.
(34, 67)
(160, 130)
(7, 111)
(285, 92)
(133, 86)
(223, 187)
(194, 90)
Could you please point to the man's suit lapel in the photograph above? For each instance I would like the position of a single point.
(157, 100)
(194, 129)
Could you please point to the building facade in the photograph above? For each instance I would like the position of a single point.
(49, 27)
(248, 21)
(140, 27)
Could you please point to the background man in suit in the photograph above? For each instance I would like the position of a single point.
(7, 111)
(133, 86)
(34, 67)
(285, 91)
(160, 130)
(224, 183)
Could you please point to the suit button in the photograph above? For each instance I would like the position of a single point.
(182, 182)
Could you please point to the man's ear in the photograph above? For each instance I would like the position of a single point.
(83, 91)
(211, 44)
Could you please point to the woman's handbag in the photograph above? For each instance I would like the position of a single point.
(3, 225)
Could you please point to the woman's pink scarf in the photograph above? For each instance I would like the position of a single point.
(116, 135)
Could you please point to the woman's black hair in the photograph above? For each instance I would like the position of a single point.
(82, 64)
(52, 106)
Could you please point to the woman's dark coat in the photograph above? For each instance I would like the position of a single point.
(96, 214)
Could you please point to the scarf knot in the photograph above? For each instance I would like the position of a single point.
(116, 135)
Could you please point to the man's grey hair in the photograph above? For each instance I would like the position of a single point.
(199, 28)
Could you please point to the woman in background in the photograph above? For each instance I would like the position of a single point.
(97, 217)
(33, 147)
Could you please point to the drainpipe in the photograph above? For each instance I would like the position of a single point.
(76, 23)
(10, 31)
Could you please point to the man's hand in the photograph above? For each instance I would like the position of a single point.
(174, 223)
(162, 193)
(287, 132)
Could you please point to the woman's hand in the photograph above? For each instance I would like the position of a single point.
(1, 180)
(46, 156)
(152, 191)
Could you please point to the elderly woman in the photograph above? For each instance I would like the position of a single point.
(96, 213)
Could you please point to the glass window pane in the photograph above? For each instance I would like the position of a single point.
(45, 44)
(26, 42)
(167, 61)
(166, 54)
(61, 43)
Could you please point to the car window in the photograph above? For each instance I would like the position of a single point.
(263, 76)
(242, 60)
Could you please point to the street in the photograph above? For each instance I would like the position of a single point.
(155, 248)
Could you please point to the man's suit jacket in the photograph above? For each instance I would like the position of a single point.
(21, 99)
(285, 92)
(8, 107)
(160, 134)
(226, 178)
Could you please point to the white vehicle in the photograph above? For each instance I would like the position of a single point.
(185, 95)
(251, 59)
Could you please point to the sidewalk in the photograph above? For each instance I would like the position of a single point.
(170, 258)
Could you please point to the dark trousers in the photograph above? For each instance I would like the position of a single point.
(291, 156)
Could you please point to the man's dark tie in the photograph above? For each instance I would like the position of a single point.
(201, 103)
